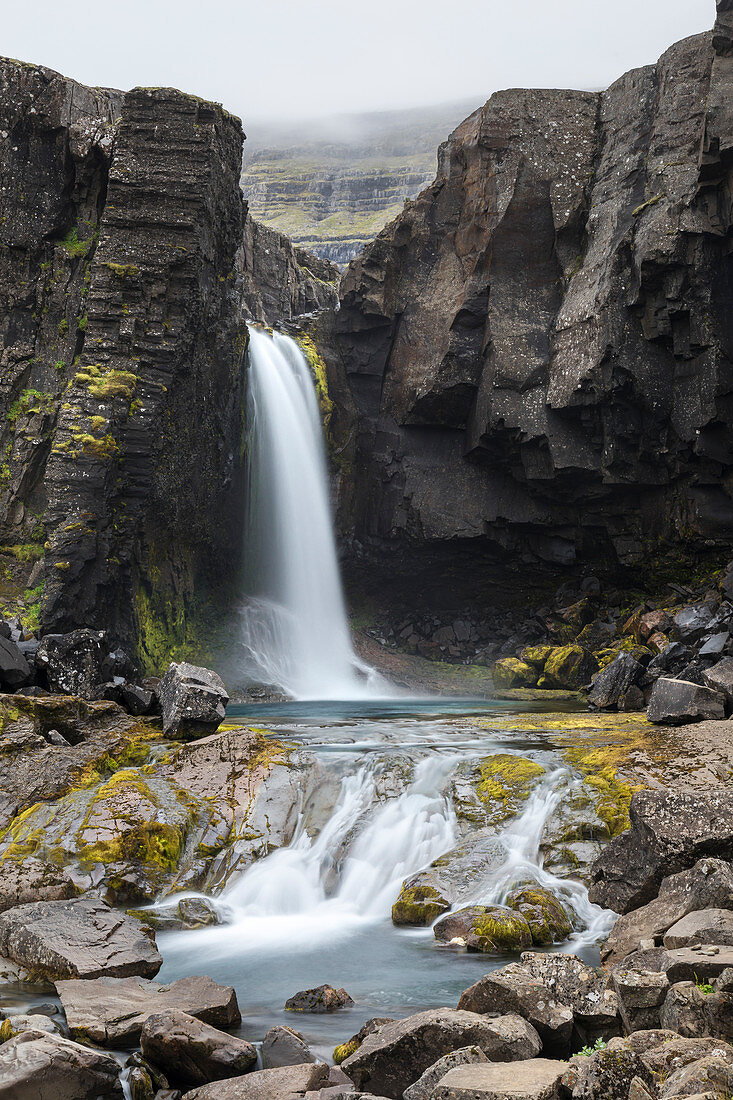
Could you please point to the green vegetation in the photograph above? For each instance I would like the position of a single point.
(29, 402)
(585, 1052)
(123, 271)
(75, 247)
(28, 551)
(104, 382)
(704, 987)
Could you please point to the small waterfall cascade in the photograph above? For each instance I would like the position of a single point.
(294, 631)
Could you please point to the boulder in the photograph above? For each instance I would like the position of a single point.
(37, 1065)
(343, 1050)
(671, 659)
(286, 1083)
(419, 903)
(284, 1047)
(510, 672)
(669, 832)
(74, 663)
(190, 1052)
(324, 998)
(679, 702)
(664, 1051)
(709, 884)
(425, 1085)
(111, 1011)
(711, 1075)
(491, 929)
(583, 988)
(547, 919)
(607, 1074)
(512, 989)
(640, 996)
(702, 926)
(14, 668)
(714, 646)
(535, 1079)
(692, 622)
(684, 1011)
(193, 701)
(720, 678)
(16, 1025)
(393, 1058)
(81, 938)
(614, 681)
(568, 666)
(30, 880)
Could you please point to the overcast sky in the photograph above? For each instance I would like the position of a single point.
(300, 58)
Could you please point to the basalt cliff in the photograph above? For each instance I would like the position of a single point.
(539, 348)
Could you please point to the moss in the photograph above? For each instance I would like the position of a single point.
(536, 655)
(548, 922)
(74, 247)
(320, 377)
(342, 1052)
(567, 666)
(649, 202)
(29, 402)
(123, 271)
(418, 905)
(29, 551)
(507, 780)
(510, 672)
(104, 448)
(494, 931)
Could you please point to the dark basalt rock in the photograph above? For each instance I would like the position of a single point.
(613, 682)
(193, 701)
(74, 663)
(538, 346)
(669, 832)
(678, 702)
(282, 281)
(14, 668)
(323, 998)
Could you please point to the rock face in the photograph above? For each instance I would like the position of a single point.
(121, 345)
(538, 346)
(282, 281)
(77, 939)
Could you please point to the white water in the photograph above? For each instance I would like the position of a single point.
(294, 629)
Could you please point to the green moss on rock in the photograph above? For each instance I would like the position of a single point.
(418, 905)
(568, 666)
(510, 672)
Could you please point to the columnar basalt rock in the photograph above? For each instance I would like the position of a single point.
(538, 347)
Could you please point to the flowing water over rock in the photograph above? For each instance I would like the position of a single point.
(294, 633)
(390, 802)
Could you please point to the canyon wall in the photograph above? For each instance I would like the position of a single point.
(540, 347)
(121, 347)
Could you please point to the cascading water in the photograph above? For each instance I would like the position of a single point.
(294, 629)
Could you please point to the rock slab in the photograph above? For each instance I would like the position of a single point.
(40, 1066)
(535, 1079)
(190, 1052)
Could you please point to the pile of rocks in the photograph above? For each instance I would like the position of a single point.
(84, 663)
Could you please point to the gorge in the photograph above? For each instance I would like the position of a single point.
(370, 628)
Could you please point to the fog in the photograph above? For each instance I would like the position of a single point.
(289, 60)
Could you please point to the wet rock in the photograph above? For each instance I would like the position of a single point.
(512, 989)
(614, 681)
(36, 1064)
(607, 1074)
(193, 701)
(393, 1058)
(491, 929)
(192, 1053)
(323, 998)
(112, 1011)
(669, 832)
(419, 903)
(709, 884)
(569, 667)
(640, 996)
(692, 622)
(286, 1083)
(16, 1025)
(14, 668)
(679, 702)
(81, 938)
(33, 880)
(547, 919)
(703, 926)
(284, 1047)
(73, 663)
(720, 678)
(136, 699)
(343, 1050)
(510, 672)
(535, 1079)
(424, 1086)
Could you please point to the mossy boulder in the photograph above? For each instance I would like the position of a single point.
(536, 655)
(547, 918)
(343, 1050)
(568, 666)
(490, 929)
(419, 904)
(505, 782)
(510, 672)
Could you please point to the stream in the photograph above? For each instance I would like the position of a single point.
(319, 910)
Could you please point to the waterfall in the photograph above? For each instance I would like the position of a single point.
(294, 630)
